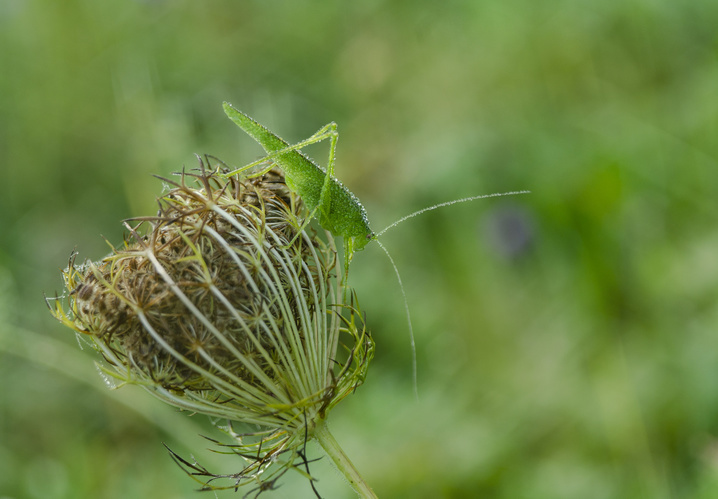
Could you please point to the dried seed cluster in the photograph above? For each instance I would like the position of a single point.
(224, 303)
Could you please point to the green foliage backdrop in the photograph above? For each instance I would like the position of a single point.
(566, 339)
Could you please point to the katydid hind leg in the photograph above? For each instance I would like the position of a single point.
(325, 197)
(327, 131)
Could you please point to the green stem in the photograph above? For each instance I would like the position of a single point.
(342, 462)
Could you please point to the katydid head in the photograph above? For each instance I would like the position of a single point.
(360, 240)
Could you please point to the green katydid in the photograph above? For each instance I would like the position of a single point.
(335, 207)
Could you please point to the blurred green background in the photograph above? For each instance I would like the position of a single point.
(566, 339)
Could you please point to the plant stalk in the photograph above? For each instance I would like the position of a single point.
(341, 461)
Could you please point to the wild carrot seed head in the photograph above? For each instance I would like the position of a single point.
(225, 303)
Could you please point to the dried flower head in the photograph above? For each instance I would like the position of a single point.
(225, 303)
